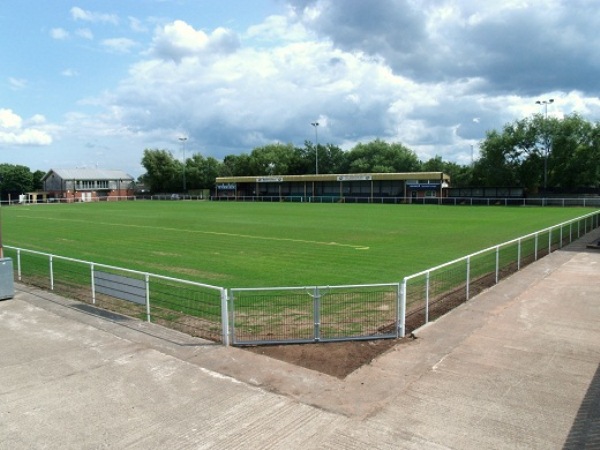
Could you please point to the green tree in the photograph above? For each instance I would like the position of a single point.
(15, 180)
(274, 159)
(460, 176)
(235, 166)
(201, 172)
(163, 172)
(539, 153)
(331, 158)
(381, 157)
(38, 185)
(573, 161)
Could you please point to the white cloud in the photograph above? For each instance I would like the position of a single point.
(70, 73)
(13, 130)
(428, 85)
(9, 120)
(59, 34)
(119, 45)
(85, 33)
(254, 96)
(37, 119)
(137, 25)
(90, 16)
(17, 83)
(178, 39)
(276, 29)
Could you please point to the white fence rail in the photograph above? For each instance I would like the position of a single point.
(196, 308)
(245, 316)
(432, 292)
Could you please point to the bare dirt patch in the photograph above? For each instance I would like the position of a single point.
(338, 359)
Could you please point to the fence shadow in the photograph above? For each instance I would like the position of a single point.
(121, 320)
(585, 431)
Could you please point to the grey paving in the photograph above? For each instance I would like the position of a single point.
(515, 367)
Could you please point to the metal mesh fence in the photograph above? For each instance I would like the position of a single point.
(273, 315)
(194, 308)
(70, 279)
(191, 308)
(434, 292)
(358, 311)
(292, 314)
(32, 267)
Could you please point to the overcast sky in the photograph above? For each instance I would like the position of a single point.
(94, 83)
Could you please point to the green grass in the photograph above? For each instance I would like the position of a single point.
(271, 244)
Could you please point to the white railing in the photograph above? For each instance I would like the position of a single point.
(292, 314)
(457, 281)
(197, 308)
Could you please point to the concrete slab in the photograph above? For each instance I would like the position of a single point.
(515, 367)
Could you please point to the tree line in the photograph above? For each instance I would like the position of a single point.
(537, 153)
(165, 173)
(542, 154)
(17, 179)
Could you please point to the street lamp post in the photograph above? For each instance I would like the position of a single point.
(183, 139)
(316, 125)
(546, 103)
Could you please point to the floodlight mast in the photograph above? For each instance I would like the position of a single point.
(183, 139)
(316, 125)
(546, 103)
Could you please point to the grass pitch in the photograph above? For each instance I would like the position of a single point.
(271, 244)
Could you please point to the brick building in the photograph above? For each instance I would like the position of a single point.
(87, 184)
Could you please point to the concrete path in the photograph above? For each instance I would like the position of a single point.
(515, 367)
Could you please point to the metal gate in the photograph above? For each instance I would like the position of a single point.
(314, 314)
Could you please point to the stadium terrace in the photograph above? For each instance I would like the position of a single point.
(336, 187)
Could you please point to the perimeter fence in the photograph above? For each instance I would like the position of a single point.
(194, 308)
(591, 201)
(432, 292)
(271, 315)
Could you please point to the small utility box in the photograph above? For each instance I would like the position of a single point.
(7, 285)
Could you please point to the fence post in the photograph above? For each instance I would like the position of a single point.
(51, 274)
(93, 283)
(535, 247)
(225, 317)
(570, 232)
(19, 276)
(147, 279)
(519, 254)
(317, 314)
(560, 245)
(550, 241)
(401, 322)
(497, 263)
(468, 276)
(427, 297)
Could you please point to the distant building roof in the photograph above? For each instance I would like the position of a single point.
(336, 177)
(88, 174)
